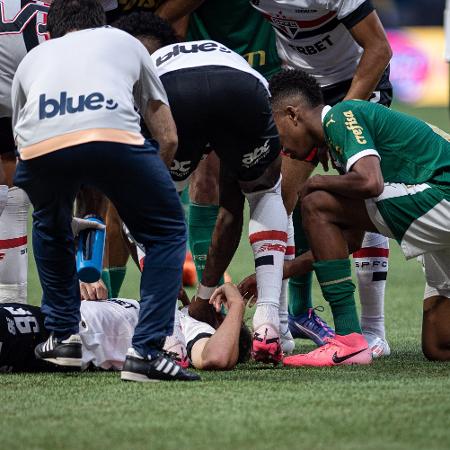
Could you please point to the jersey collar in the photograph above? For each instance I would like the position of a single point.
(325, 110)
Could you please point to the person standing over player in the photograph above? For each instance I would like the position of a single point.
(395, 180)
(22, 27)
(206, 83)
(342, 44)
(71, 117)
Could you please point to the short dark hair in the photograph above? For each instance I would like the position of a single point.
(245, 344)
(71, 15)
(290, 82)
(146, 24)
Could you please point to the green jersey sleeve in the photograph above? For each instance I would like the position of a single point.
(348, 135)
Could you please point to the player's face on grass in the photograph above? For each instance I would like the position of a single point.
(295, 137)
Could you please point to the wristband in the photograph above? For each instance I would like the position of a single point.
(205, 291)
(3, 197)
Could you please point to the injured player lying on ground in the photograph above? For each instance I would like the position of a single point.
(107, 327)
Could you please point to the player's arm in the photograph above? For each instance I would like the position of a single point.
(221, 350)
(173, 10)
(365, 180)
(151, 99)
(370, 35)
(228, 229)
(161, 125)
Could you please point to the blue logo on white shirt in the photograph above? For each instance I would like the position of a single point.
(51, 107)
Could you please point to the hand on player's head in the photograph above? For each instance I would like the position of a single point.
(227, 295)
(93, 291)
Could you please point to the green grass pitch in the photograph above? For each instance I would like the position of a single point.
(402, 402)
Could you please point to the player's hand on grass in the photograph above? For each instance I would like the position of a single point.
(249, 289)
(227, 295)
(93, 291)
(79, 225)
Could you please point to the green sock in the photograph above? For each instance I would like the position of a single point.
(335, 278)
(299, 286)
(107, 280)
(116, 275)
(202, 220)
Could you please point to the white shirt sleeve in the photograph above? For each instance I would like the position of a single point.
(18, 97)
(149, 86)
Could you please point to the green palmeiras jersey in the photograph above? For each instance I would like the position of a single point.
(241, 28)
(410, 150)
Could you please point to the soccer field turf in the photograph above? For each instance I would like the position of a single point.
(402, 402)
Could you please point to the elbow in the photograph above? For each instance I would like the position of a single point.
(218, 362)
(372, 188)
(383, 53)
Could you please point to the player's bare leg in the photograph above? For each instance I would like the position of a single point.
(371, 266)
(13, 237)
(203, 209)
(117, 251)
(436, 328)
(303, 320)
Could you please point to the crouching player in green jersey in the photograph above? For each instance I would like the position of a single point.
(394, 179)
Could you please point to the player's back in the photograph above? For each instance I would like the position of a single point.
(22, 27)
(81, 84)
(200, 54)
(411, 150)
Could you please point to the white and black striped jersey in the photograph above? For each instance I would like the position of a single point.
(22, 27)
(313, 35)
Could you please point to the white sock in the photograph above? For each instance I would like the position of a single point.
(267, 234)
(13, 248)
(371, 263)
(288, 256)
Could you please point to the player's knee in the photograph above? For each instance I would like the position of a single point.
(314, 207)
(436, 350)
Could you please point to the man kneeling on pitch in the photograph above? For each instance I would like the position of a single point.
(394, 179)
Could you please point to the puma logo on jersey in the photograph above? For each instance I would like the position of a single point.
(191, 48)
(352, 124)
(250, 159)
(51, 107)
(330, 121)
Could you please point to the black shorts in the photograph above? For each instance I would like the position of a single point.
(225, 110)
(335, 93)
(7, 144)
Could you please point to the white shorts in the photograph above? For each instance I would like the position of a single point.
(436, 267)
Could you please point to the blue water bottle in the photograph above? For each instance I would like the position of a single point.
(91, 243)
